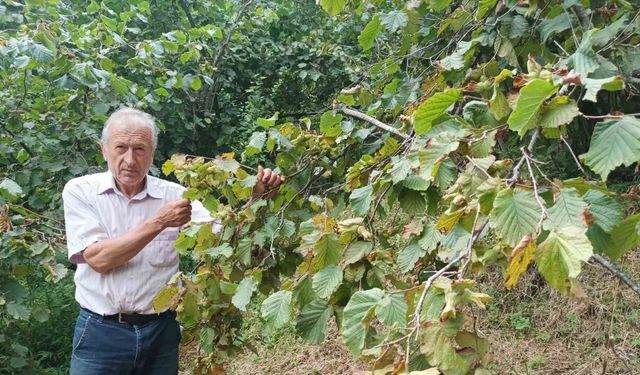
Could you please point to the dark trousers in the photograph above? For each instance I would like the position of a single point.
(103, 346)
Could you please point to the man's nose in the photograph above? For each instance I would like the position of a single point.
(128, 156)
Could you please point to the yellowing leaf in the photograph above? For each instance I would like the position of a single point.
(520, 258)
(448, 220)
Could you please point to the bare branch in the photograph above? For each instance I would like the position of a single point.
(373, 121)
(617, 272)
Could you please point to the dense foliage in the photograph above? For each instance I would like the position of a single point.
(455, 142)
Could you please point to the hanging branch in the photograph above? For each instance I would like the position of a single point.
(617, 272)
(373, 121)
(185, 8)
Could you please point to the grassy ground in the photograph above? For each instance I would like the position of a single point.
(533, 330)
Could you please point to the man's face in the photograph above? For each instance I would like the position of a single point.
(129, 152)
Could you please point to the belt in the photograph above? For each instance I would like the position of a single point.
(134, 318)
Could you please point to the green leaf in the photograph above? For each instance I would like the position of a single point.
(433, 108)
(356, 251)
(255, 145)
(593, 86)
(360, 200)
(333, 7)
(606, 211)
(242, 297)
(498, 105)
(412, 202)
(10, 190)
(430, 238)
(515, 213)
(624, 237)
(613, 142)
(394, 20)
(311, 324)
(243, 251)
(560, 111)
(196, 83)
(326, 281)
(416, 183)
(276, 309)
(604, 36)
(439, 5)
(529, 102)
(330, 125)
(224, 250)
(555, 25)
(400, 170)
(354, 321)
(268, 122)
(408, 257)
(18, 311)
(519, 27)
(560, 257)
(303, 292)
(327, 251)
(392, 309)
(484, 6)
(368, 35)
(566, 211)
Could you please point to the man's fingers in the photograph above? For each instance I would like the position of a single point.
(260, 173)
(272, 180)
(266, 176)
(183, 202)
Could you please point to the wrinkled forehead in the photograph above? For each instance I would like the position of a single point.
(130, 126)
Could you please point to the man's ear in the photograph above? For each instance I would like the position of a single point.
(103, 148)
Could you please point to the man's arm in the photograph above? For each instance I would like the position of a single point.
(108, 254)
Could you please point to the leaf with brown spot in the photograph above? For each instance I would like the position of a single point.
(587, 218)
(519, 260)
(412, 228)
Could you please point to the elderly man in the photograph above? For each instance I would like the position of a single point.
(121, 226)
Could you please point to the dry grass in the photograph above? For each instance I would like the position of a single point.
(533, 330)
(291, 356)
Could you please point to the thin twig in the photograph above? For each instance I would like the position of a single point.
(575, 158)
(516, 170)
(467, 252)
(621, 115)
(373, 121)
(545, 214)
(478, 166)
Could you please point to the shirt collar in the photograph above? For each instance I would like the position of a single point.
(107, 182)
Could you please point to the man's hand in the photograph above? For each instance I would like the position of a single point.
(174, 214)
(268, 183)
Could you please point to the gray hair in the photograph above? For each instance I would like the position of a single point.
(139, 118)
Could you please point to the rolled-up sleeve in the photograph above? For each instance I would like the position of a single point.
(82, 223)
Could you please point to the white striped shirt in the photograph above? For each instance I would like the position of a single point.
(95, 210)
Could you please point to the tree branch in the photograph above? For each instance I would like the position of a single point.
(617, 272)
(185, 8)
(373, 121)
(516, 170)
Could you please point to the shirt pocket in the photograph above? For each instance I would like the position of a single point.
(162, 252)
